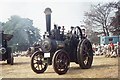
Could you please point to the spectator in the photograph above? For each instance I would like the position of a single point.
(111, 46)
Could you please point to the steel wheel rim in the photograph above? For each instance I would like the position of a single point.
(61, 62)
(38, 62)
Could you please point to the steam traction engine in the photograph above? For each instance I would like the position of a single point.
(5, 51)
(59, 49)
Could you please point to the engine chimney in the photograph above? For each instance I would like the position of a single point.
(48, 19)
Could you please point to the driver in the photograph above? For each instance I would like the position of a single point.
(83, 33)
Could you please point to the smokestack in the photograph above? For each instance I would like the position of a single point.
(48, 19)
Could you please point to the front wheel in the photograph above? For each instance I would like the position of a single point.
(38, 63)
(85, 54)
(60, 62)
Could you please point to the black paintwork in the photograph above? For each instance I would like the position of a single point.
(4, 39)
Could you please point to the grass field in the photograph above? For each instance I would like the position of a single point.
(102, 68)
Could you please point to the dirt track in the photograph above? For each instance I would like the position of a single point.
(102, 68)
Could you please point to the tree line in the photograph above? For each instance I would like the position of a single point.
(23, 31)
(102, 19)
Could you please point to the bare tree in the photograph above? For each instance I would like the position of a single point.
(115, 25)
(99, 17)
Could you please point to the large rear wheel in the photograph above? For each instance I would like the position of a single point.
(85, 54)
(38, 63)
(60, 62)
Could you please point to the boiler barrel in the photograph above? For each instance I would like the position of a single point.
(52, 45)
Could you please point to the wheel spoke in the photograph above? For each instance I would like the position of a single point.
(58, 64)
(85, 49)
(38, 57)
(64, 57)
(60, 56)
(38, 66)
(41, 66)
(35, 63)
(86, 60)
(35, 59)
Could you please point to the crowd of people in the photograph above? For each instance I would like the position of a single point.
(109, 50)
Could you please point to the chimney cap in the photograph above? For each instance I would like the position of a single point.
(48, 11)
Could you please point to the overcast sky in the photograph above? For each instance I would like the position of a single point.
(64, 12)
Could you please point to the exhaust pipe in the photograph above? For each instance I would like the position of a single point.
(48, 19)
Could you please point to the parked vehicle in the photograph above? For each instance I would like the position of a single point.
(5, 51)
